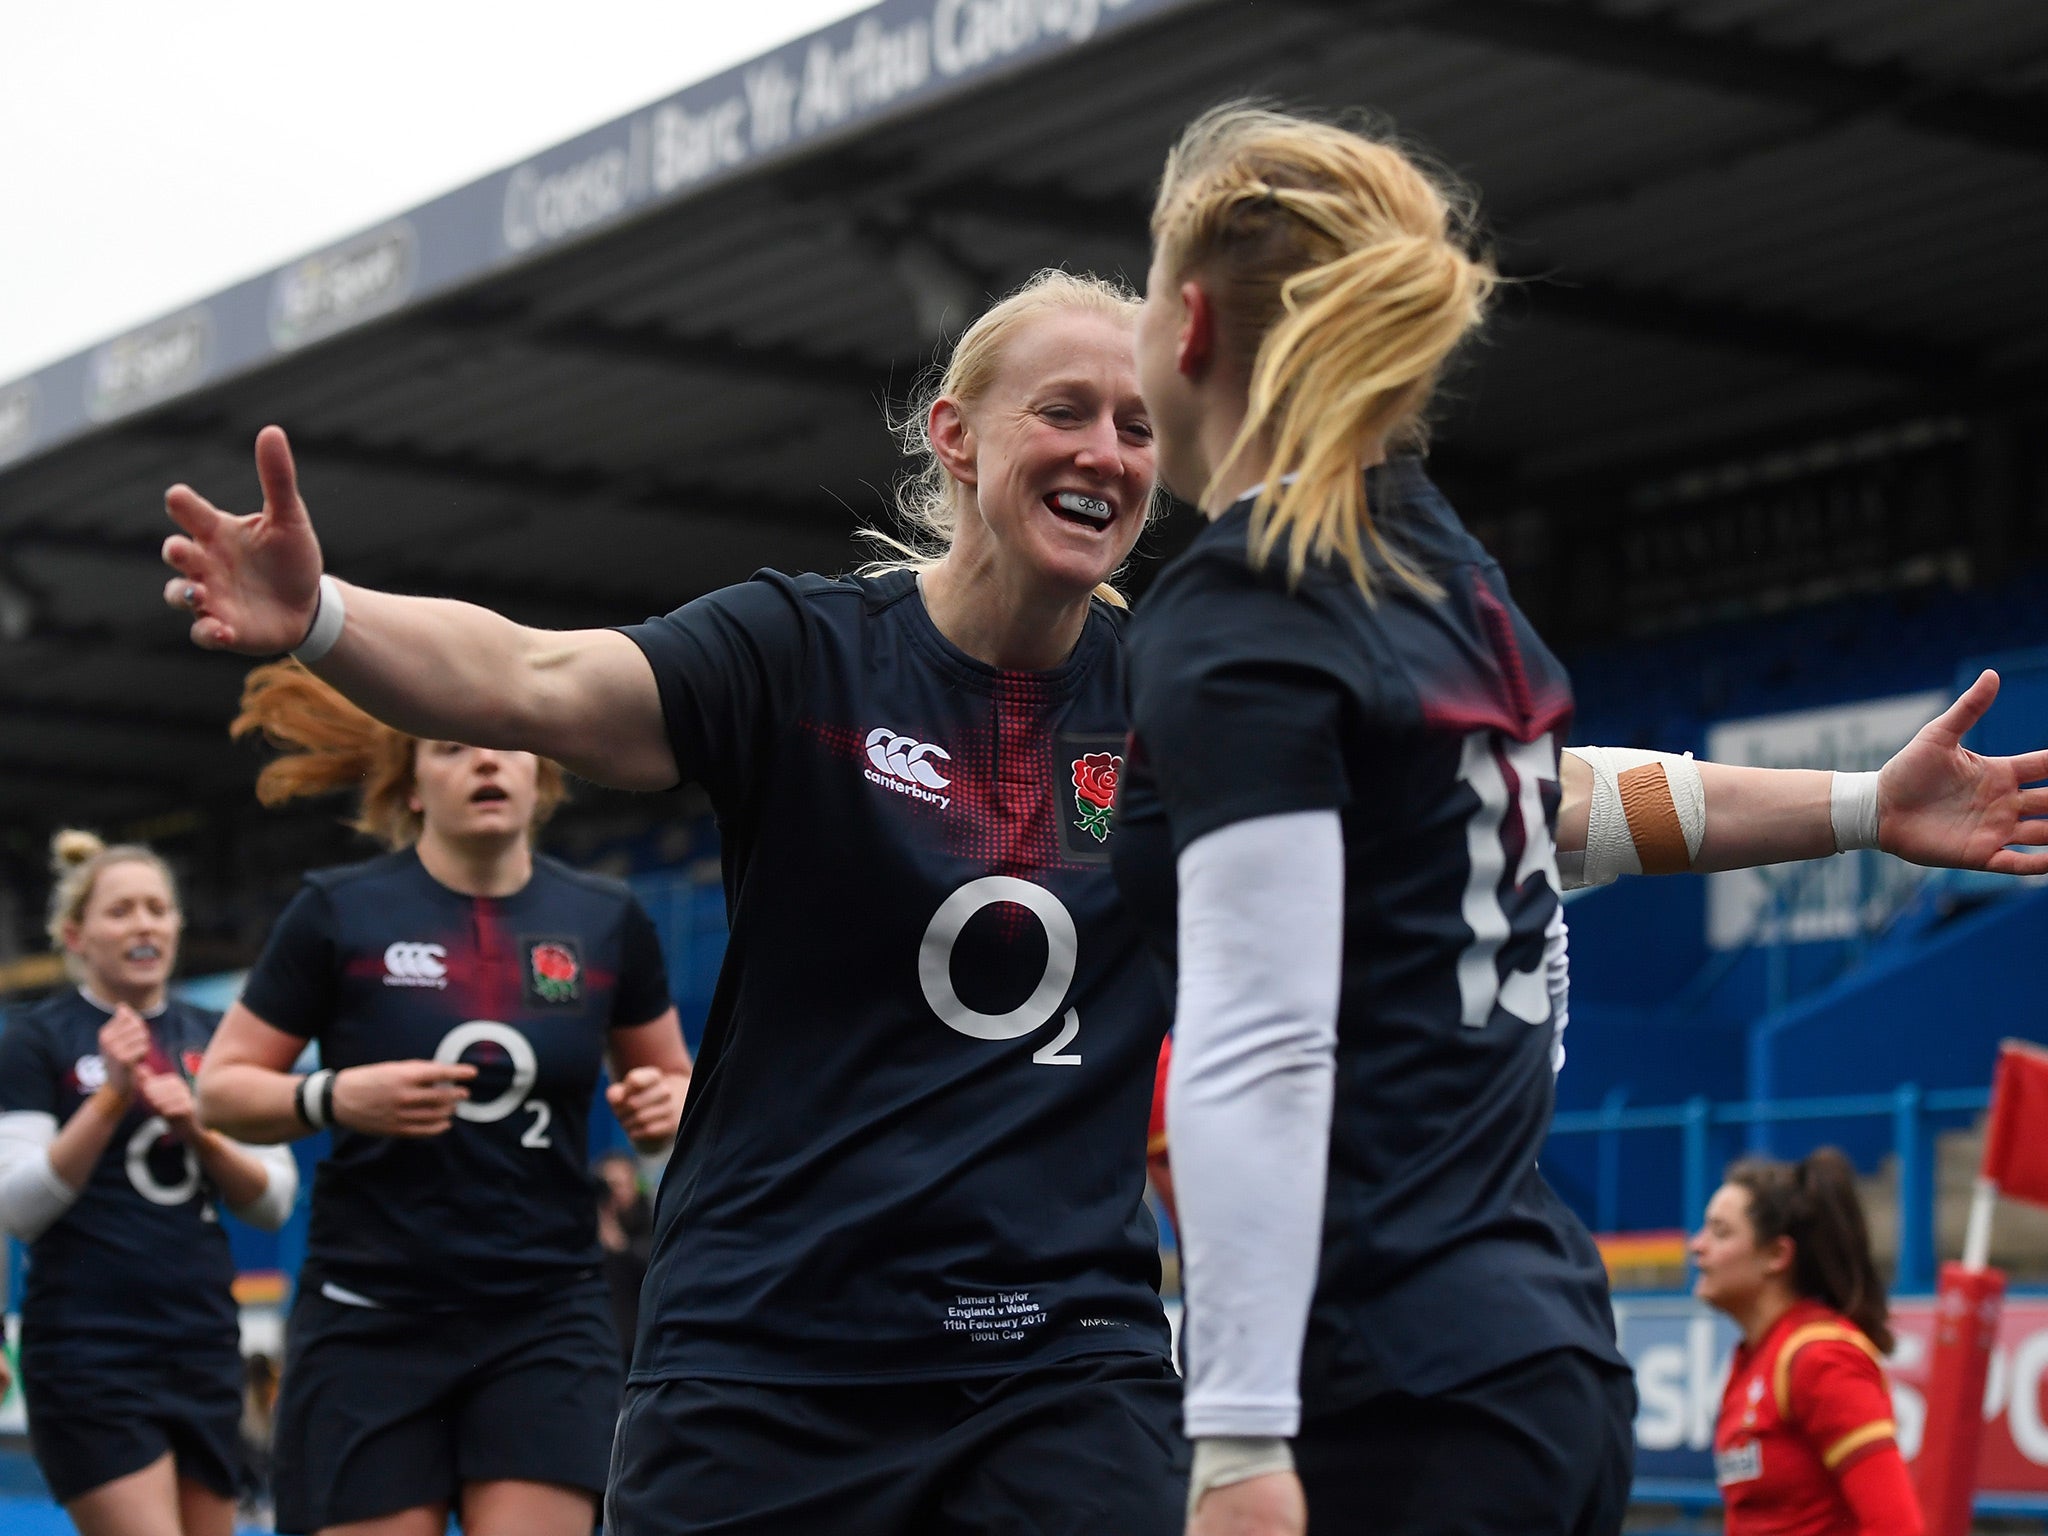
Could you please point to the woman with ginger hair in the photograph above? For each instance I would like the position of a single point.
(451, 1345)
(131, 1343)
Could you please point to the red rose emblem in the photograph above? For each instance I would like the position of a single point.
(1095, 792)
(555, 972)
(1095, 778)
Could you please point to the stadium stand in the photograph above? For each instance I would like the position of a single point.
(1760, 431)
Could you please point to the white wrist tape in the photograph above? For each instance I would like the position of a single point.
(1852, 810)
(1221, 1460)
(1648, 816)
(329, 615)
(316, 1101)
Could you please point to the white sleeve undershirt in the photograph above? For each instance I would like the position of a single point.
(1261, 947)
(32, 1196)
(273, 1208)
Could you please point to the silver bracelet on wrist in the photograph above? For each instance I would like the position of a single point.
(329, 614)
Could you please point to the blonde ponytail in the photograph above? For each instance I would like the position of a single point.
(1336, 266)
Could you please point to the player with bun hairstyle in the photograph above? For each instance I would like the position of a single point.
(130, 1339)
(451, 1344)
(1805, 1444)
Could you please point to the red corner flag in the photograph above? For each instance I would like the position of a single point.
(2016, 1146)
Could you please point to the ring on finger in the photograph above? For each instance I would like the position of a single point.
(190, 596)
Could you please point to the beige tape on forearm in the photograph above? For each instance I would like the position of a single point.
(1653, 820)
(1648, 815)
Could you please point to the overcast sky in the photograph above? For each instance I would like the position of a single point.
(152, 153)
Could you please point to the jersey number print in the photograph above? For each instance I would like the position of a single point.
(1486, 761)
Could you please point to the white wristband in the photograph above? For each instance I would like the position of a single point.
(316, 1099)
(1852, 810)
(329, 615)
(1221, 1460)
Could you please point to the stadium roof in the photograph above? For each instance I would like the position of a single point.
(648, 361)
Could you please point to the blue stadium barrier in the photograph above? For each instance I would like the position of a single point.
(1910, 1112)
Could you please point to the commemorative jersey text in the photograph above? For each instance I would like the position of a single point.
(915, 1143)
(1430, 724)
(380, 962)
(140, 1257)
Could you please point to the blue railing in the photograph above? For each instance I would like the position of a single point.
(1910, 1108)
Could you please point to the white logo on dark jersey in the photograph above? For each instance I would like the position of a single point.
(144, 1178)
(415, 965)
(905, 764)
(91, 1073)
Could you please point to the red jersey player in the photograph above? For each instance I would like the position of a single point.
(1805, 1445)
(1158, 1167)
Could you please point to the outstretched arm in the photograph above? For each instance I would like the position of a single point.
(428, 666)
(1936, 803)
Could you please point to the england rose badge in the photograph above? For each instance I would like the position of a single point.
(1095, 778)
(554, 971)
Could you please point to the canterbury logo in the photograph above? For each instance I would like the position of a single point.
(415, 965)
(908, 766)
(906, 758)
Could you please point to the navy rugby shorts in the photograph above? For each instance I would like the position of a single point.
(89, 1424)
(1543, 1447)
(1078, 1448)
(383, 1410)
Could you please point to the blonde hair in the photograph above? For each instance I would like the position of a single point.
(330, 746)
(927, 499)
(1339, 270)
(78, 859)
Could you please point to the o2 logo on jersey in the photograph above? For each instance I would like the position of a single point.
(144, 1159)
(1062, 953)
(1485, 761)
(408, 964)
(511, 1097)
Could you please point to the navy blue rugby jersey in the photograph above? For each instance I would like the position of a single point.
(381, 962)
(1434, 728)
(915, 1142)
(139, 1261)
